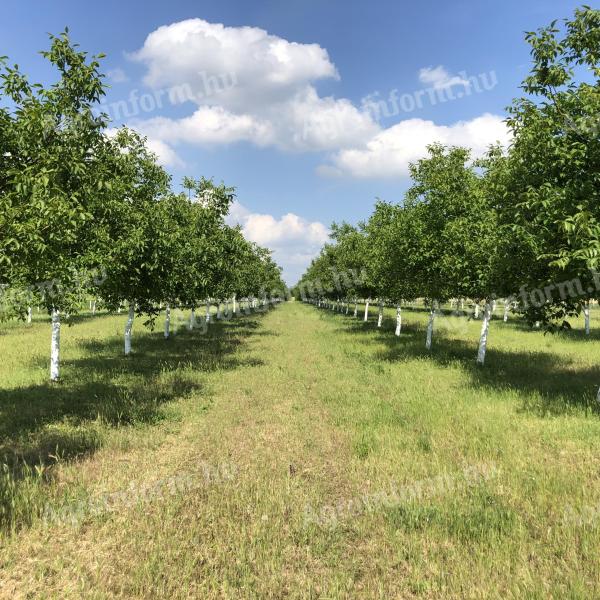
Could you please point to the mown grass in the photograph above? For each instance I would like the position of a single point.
(316, 417)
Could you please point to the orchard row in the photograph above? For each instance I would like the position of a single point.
(85, 210)
(520, 224)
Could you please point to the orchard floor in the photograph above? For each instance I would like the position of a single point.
(300, 453)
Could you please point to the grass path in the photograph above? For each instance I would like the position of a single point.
(290, 443)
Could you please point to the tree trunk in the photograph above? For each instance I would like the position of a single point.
(167, 321)
(430, 327)
(586, 313)
(219, 314)
(55, 346)
(234, 305)
(367, 310)
(356, 307)
(485, 325)
(93, 308)
(506, 309)
(380, 314)
(29, 315)
(208, 311)
(476, 313)
(128, 328)
(192, 319)
(398, 320)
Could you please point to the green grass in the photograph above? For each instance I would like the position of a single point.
(314, 417)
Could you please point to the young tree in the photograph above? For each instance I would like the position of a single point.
(51, 181)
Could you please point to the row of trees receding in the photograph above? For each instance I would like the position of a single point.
(87, 213)
(522, 223)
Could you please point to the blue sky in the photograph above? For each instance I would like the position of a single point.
(311, 108)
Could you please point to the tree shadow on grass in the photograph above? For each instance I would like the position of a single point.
(40, 423)
(548, 384)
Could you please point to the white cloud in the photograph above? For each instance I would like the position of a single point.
(306, 122)
(208, 125)
(249, 85)
(167, 157)
(439, 78)
(264, 68)
(117, 75)
(295, 241)
(388, 153)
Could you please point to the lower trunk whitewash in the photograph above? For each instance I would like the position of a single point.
(398, 320)
(506, 308)
(586, 314)
(234, 305)
(167, 321)
(29, 314)
(380, 314)
(208, 311)
(55, 346)
(367, 310)
(476, 312)
(192, 319)
(430, 327)
(219, 314)
(356, 307)
(485, 325)
(128, 329)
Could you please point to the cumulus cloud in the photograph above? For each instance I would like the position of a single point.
(440, 79)
(264, 67)
(295, 241)
(388, 153)
(208, 125)
(247, 85)
(250, 86)
(167, 157)
(117, 75)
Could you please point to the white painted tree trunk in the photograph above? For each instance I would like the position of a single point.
(356, 307)
(493, 306)
(29, 315)
(192, 319)
(208, 311)
(219, 314)
(55, 346)
(429, 339)
(586, 314)
(366, 318)
(167, 321)
(93, 307)
(128, 329)
(476, 313)
(380, 314)
(462, 304)
(398, 320)
(347, 306)
(234, 306)
(119, 309)
(485, 325)
(506, 308)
